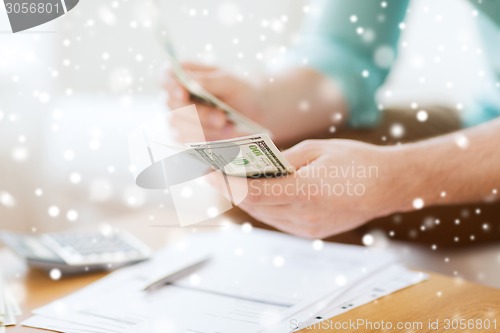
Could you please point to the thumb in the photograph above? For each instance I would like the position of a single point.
(303, 153)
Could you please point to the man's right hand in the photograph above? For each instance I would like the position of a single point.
(237, 93)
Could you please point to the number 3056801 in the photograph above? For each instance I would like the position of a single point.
(32, 8)
(470, 324)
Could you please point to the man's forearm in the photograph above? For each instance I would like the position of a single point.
(456, 168)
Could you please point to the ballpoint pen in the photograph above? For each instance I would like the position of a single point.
(176, 275)
(331, 300)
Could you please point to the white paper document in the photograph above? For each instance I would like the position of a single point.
(259, 281)
(9, 309)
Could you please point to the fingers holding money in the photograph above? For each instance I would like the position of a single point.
(212, 122)
(177, 95)
(256, 192)
(287, 218)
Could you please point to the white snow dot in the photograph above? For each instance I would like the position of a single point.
(397, 131)
(422, 115)
(246, 227)
(317, 244)
(418, 203)
(228, 13)
(340, 280)
(368, 240)
(194, 279)
(69, 154)
(278, 261)
(365, 73)
(187, 192)
(462, 141)
(19, 154)
(337, 117)
(7, 199)
(353, 18)
(101, 190)
(304, 106)
(107, 16)
(75, 178)
(368, 35)
(94, 144)
(54, 211)
(72, 215)
(55, 274)
(106, 230)
(38, 192)
(43, 97)
(212, 211)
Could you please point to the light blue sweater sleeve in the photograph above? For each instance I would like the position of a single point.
(353, 42)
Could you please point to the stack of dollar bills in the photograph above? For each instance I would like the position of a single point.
(9, 308)
(248, 156)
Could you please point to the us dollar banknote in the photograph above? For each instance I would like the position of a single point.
(249, 156)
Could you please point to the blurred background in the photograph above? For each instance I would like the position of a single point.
(72, 89)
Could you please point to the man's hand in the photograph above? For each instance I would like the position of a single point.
(338, 186)
(341, 184)
(235, 92)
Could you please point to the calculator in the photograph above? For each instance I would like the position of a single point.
(77, 251)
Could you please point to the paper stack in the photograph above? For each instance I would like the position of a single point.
(256, 281)
(9, 308)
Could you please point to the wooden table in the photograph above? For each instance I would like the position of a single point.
(440, 298)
